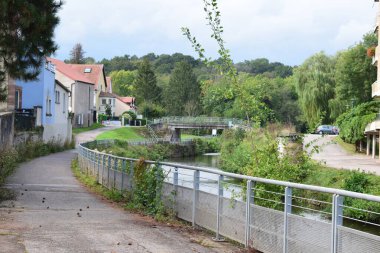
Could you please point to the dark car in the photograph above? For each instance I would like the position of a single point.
(325, 129)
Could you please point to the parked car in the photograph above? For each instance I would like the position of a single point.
(325, 129)
(336, 130)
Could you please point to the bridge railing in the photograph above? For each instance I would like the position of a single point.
(268, 215)
(201, 121)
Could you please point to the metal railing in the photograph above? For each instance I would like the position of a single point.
(203, 121)
(268, 215)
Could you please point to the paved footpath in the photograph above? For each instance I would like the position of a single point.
(54, 213)
(333, 155)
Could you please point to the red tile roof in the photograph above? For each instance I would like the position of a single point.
(107, 94)
(126, 100)
(68, 71)
(94, 75)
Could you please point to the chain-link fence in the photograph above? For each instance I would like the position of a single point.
(268, 215)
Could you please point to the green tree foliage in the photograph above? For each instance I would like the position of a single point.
(108, 110)
(77, 54)
(354, 75)
(263, 66)
(353, 122)
(182, 94)
(26, 36)
(123, 82)
(314, 82)
(151, 110)
(146, 84)
(125, 62)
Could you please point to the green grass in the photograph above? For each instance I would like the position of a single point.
(124, 133)
(348, 147)
(189, 136)
(85, 129)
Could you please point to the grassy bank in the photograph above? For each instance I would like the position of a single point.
(348, 147)
(85, 129)
(124, 133)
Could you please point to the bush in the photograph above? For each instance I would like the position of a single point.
(102, 117)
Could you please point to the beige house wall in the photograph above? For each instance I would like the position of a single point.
(120, 107)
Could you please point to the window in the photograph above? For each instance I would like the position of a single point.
(109, 101)
(87, 70)
(104, 101)
(48, 106)
(17, 99)
(64, 103)
(57, 97)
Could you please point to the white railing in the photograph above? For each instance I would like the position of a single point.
(268, 215)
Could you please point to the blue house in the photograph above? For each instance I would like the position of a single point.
(48, 99)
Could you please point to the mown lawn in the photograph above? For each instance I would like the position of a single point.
(124, 133)
(85, 129)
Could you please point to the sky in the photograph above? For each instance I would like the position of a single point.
(287, 31)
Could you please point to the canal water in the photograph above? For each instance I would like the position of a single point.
(209, 184)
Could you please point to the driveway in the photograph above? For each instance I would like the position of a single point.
(91, 135)
(53, 212)
(333, 155)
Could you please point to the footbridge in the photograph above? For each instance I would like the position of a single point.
(175, 124)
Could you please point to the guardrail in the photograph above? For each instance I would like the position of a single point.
(201, 121)
(283, 223)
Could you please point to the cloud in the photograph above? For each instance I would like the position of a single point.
(283, 30)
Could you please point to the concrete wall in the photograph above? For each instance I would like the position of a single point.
(101, 87)
(6, 129)
(82, 104)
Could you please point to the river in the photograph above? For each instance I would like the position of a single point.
(208, 183)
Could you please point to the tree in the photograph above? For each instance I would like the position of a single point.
(315, 84)
(146, 84)
(26, 36)
(183, 91)
(354, 75)
(123, 82)
(108, 111)
(77, 54)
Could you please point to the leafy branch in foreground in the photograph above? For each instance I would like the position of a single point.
(214, 21)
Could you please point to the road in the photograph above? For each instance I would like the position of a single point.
(333, 155)
(53, 212)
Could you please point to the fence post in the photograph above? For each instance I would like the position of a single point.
(98, 161)
(123, 170)
(219, 209)
(336, 220)
(103, 167)
(287, 210)
(115, 168)
(175, 187)
(195, 194)
(248, 213)
(108, 171)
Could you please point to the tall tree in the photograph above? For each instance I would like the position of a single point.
(26, 36)
(77, 54)
(354, 75)
(123, 82)
(183, 92)
(314, 82)
(146, 84)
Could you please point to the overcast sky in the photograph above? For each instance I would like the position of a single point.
(288, 31)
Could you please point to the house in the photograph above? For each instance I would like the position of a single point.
(124, 104)
(372, 130)
(82, 102)
(107, 98)
(95, 73)
(48, 100)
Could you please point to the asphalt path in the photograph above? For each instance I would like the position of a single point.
(333, 155)
(53, 212)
